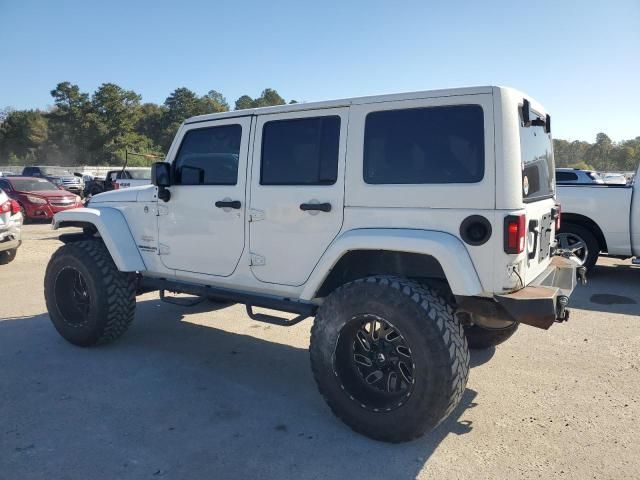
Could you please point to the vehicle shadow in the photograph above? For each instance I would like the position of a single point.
(175, 399)
(610, 288)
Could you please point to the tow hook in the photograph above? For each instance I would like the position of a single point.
(562, 312)
(582, 275)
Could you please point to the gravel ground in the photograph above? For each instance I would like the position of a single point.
(190, 393)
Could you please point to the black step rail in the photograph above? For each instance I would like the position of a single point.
(302, 308)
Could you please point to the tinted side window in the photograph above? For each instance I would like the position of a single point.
(424, 145)
(300, 152)
(209, 156)
(566, 176)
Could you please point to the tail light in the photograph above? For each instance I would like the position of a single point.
(116, 185)
(514, 233)
(10, 206)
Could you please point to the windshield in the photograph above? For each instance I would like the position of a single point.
(538, 170)
(140, 174)
(33, 185)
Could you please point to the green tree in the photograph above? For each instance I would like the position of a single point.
(114, 116)
(267, 98)
(151, 118)
(244, 102)
(68, 124)
(214, 102)
(598, 154)
(23, 133)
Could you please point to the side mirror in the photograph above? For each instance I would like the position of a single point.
(161, 178)
(161, 174)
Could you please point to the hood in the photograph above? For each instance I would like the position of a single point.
(123, 195)
(49, 193)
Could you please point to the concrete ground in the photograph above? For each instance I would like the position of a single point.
(189, 393)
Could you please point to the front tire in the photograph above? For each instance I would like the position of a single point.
(8, 256)
(89, 300)
(389, 357)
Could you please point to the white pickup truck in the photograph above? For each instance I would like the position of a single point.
(132, 177)
(600, 218)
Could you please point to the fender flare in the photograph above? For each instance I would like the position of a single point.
(113, 229)
(447, 249)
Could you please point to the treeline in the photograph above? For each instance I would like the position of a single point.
(604, 155)
(84, 129)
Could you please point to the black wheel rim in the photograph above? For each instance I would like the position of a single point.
(72, 296)
(374, 363)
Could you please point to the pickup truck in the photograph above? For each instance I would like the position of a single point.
(600, 218)
(133, 177)
(118, 179)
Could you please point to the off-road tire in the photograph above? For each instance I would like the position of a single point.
(593, 246)
(438, 347)
(112, 294)
(480, 338)
(8, 256)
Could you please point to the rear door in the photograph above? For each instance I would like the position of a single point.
(538, 191)
(297, 192)
(201, 228)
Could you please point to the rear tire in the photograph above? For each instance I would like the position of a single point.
(89, 300)
(571, 233)
(416, 367)
(480, 338)
(8, 256)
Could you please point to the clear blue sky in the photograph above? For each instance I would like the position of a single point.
(579, 58)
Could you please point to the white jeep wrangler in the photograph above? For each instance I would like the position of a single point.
(411, 226)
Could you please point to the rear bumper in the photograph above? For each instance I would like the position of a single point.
(10, 234)
(544, 300)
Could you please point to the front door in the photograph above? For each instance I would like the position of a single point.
(297, 192)
(201, 227)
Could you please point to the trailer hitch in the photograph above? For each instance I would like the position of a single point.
(562, 312)
(581, 272)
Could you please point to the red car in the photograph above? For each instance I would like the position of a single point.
(38, 198)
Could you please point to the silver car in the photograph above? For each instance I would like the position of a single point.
(10, 228)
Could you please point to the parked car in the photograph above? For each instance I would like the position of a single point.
(424, 237)
(575, 175)
(63, 180)
(10, 228)
(38, 197)
(600, 218)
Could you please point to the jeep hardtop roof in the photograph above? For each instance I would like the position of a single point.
(449, 92)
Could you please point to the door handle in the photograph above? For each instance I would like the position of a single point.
(323, 207)
(229, 204)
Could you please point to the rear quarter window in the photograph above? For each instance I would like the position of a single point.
(435, 145)
(566, 177)
(538, 167)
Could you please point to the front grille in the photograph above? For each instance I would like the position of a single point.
(62, 202)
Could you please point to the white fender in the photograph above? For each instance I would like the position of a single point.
(447, 249)
(114, 230)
